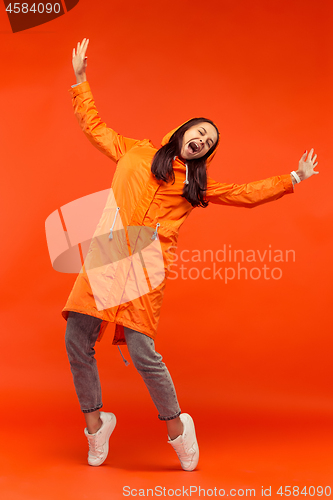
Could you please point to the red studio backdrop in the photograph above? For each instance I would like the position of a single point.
(245, 328)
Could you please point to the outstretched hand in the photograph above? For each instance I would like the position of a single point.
(306, 165)
(79, 60)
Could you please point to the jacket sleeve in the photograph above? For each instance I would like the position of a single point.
(103, 138)
(251, 194)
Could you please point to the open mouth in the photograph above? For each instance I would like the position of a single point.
(194, 147)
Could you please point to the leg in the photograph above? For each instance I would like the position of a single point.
(81, 335)
(93, 421)
(175, 427)
(156, 377)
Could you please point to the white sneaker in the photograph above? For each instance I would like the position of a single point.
(99, 442)
(186, 445)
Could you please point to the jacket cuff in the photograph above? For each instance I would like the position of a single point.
(287, 183)
(80, 89)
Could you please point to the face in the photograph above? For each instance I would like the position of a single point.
(198, 140)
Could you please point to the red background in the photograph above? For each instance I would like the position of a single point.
(251, 360)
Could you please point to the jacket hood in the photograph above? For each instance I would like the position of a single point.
(166, 139)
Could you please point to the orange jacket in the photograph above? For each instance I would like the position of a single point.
(137, 201)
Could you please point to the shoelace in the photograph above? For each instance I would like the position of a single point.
(92, 441)
(114, 221)
(93, 446)
(185, 453)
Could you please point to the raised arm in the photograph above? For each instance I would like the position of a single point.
(102, 137)
(251, 194)
(256, 193)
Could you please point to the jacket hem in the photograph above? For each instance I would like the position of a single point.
(65, 312)
(116, 341)
(133, 326)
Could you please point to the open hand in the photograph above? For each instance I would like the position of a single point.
(79, 60)
(306, 165)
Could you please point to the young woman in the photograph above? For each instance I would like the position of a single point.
(124, 274)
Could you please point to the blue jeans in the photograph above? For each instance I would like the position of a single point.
(81, 334)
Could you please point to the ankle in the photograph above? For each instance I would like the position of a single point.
(93, 428)
(175, 428)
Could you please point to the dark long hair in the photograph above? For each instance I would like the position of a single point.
(162, 169)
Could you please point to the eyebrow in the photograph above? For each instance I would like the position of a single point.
(209, 137)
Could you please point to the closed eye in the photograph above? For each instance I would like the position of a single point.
(211, 142)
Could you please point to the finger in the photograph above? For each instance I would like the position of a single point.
(84, 48)
(79, 50)
(78, 47)
(310, 154)
(83, 44)
(73, 53)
